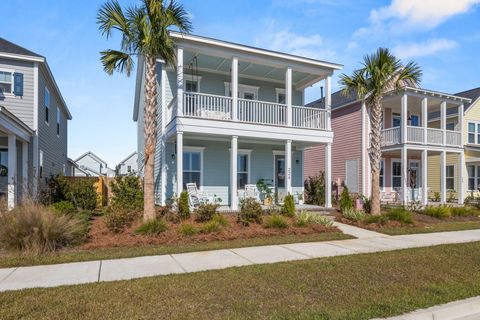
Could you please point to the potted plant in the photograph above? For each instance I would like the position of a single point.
(265, 189)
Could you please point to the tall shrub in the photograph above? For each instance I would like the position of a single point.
(315, 189)
(183, 206)
(288, 208)
(127, 193)
(346, 202)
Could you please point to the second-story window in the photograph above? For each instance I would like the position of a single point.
(474, 132)
(58, 121)
(6, 82)
(46, 101)
(191, 86)
(396, 120)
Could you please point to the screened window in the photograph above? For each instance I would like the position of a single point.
(47, 104)
(242, 170)
(382, 174)
(6, 82)
(192, 164)
(396, 120)
(396, 174)
(450, 177)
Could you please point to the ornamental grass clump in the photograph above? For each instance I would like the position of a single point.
(400, 214)
(353, 214)
(36, 229)
(152, 227)
(305, 219)
(440, 212)
(275, 222)
(461, 211)
(187, 229)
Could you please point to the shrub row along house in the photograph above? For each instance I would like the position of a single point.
(230, 115)
(33, 123)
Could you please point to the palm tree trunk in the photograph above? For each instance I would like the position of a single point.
(375, 152)
(150, 133)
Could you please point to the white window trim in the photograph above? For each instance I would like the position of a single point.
(476, 170)
(419, 180)
(384, 174)
(12, 82)
(279, 91)
(248, 153)
(393, 115)
(49, 104)
(242, 88)
(476, 133)
(454, 176)
(188, 77)
(201, 150)
(59, 121)
(391, 172)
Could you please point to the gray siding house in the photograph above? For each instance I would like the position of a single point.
(229, 115)
(129, 165)
(33, 124)
(92, 165)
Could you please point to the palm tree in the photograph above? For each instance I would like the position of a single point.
(144, 31)
(381, 72)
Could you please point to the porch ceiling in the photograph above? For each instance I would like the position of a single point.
(414, 103)
(202, 62)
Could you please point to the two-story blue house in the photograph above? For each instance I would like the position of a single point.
(230, 115)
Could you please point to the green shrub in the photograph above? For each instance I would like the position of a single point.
(275, 221)
(305, 218)
(250, 212)
(353, 214)
(79, 191)
(315, 189)
(118, 219)
(84, 215)
(367, 204)
(380, 218)
(461, 211)
(183, 206)
(210, 227)
(221, 219)
(35, 229)
(288, 208)
(346, 202)
(400, 214)
(187, 229)
(64, 208)
(127, 193)
(437, 211)
(205, 212)
(152, 227)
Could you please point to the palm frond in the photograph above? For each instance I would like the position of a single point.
(113, 60)
(179, 17)
(110, 16)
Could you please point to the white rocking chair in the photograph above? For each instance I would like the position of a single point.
(195, 197)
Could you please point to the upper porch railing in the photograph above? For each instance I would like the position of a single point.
(415, 135)
(207, 106)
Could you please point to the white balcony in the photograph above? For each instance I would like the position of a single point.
(416, 135)
(214, 107)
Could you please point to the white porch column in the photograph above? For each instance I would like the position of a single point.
(443, 122)
(424, 173)
(288, 95)
(179, 163)
(179, 81)
(403, 118)
(461, 186)
(328, 101)
(404, 165)
(233, 174)
(328, 175)
(234, 89)
(443, 180)
(12, 169)
(460, 124)
(288, 166)
(425, 120)
(24, 169)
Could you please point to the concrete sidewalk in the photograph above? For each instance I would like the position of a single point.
(124, 269)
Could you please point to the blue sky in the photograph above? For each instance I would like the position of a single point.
(443, 36)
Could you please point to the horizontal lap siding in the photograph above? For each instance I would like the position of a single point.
(434, 171)
(347, 145)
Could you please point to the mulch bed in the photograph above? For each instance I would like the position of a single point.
(419, 220)
(101, 237)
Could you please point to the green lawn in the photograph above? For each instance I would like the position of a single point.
(12, 260)
(349, 287)
(437, 227)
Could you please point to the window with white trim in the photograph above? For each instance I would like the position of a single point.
(46, 103)
(281, 97)
(382, 174)
(6, 82)
(473, 132)
(243, 164)
(450, 177)
(192, 168)
(129, 169)
(396, 174)
(472, 177)
(40, 169)
(396, 120)
(58, 122)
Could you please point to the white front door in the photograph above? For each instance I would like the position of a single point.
(413, 179)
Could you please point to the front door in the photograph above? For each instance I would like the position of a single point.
(279, 177)
(414, 178)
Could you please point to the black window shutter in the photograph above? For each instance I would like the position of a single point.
(18, 84)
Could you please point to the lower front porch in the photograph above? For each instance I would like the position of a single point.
(207, 161)
(425, 176)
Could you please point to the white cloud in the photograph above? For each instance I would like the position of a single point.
(426, 13)
(429, 47)
(312, 46)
